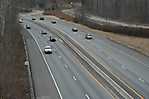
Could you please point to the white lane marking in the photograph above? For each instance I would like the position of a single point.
(83, 67)
(87, 96)
(77, 74)
(80, 63)
(74, 78)
(131, 56)
(66, 66)
(49, 69)
(112, 73)
(124, 67)
(59, 56)
(61, 41)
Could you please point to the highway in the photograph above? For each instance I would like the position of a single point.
(125, 67)
(73, 82)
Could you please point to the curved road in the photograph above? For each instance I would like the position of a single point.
(131, 67)
(73, 81)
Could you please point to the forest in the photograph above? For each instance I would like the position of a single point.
(120, 10)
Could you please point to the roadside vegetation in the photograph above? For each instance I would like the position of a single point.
(13, 74)
(139, 43)
(135, 38)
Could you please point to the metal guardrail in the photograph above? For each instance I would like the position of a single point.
(130, 92)
(93, 67)
(31, 81)
(125, 89)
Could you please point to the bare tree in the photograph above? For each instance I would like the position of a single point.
(124, 10)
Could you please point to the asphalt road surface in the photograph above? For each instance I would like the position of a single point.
(72, 79)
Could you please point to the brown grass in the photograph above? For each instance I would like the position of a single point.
(13, 74)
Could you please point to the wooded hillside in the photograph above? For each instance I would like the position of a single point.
(122, 10)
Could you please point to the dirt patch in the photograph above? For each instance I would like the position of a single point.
(135, 42)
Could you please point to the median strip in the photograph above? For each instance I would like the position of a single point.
(119, 86)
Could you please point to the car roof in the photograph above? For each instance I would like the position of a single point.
(48, 46)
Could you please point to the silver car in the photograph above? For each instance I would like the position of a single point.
(20, 20)
(48, 50)
(88, 36)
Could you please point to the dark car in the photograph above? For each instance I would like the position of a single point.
(41, 18)
(33, 18)
(53, 21)
(74, 29)
(28, 27)
(52, 39)
(43, 32)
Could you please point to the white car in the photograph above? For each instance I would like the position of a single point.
(88, 36)
(20, 20)
(48, 50)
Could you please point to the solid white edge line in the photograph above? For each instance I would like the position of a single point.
(47, 66)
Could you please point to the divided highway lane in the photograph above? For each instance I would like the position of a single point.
(116, 58)
(44, 87)
(72, 80)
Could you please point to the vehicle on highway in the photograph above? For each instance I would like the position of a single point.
(53, 21)
(33, 18)
(88, 36)
(41, 18)
(74, 29)
(28, 27)
(20, 20)
(43, 32)
(52, 39)
(48, 50)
